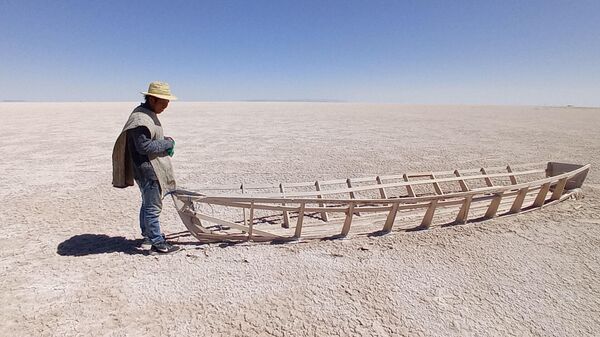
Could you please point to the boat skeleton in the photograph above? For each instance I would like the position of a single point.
(337, 208)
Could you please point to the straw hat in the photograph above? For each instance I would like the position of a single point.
(160, 90)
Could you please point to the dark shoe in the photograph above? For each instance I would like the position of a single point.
(146, 243)
(164, 248)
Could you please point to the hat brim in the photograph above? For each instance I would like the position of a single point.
(167, 97)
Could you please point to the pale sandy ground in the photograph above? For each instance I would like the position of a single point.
(69, 263)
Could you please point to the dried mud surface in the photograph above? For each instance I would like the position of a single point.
(70, 264)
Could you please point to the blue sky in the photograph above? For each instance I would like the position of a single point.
(429, 52)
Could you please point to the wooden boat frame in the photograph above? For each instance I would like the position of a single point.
(561, 181)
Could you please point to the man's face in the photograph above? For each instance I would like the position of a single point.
(158, 105)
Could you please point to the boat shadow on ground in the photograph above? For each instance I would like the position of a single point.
(91, 244)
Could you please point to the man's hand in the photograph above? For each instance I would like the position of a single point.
(171, 151)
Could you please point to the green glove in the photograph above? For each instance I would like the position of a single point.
(171, 151)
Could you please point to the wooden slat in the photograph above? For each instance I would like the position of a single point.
(348, 220)
(518, 203)
(493, 208)
(298, 230)
(541, 197)
(559, 189)
(286, 216)
(463, 214)
(389, 222)
(319, 196)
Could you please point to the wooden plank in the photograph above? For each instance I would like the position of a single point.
(463, 185)
(348, 220)
(298, 230)
(541, 197)
(493, 208)
(559, 189)
(286, 216)
(463, 214)
(389, 222)
(518, 203)
(488, 181)
(428, 218)
(409, 188)
(381, 190)
(319, 196)
(513, 179)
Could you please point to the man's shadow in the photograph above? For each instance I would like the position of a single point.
(88, 244)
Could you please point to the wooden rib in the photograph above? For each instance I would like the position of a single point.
(319, 196)
(389, 222)
(541, 197)
(463, 185)
(286, 216)
(488, 181)
(513, 179)
(409, 188)
(251, 221)
(348, 220)
(381, 190)
(428, 218)
(518, 203)
(352, 195)
(436, 185)
(298, 230)
(559, 189)
(244, 210)
(463, 214)
(493, 208)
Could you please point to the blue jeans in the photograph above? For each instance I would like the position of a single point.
(150, 210)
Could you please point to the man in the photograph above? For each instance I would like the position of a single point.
(142, 153)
